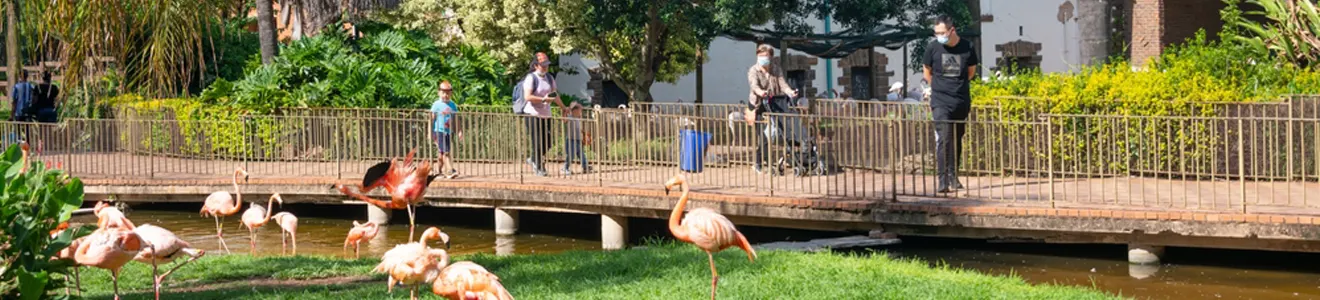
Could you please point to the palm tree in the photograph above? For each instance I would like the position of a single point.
(160, 45)
(266, 29)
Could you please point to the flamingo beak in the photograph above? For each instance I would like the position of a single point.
(446, 245)
(666, 190)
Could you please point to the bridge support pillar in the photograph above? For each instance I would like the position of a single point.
(378, 215)
(1144, 254)
(506, 221)
(613, 232)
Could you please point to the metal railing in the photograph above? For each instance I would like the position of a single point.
(1258, 162)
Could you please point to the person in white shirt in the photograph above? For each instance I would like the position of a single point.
(538, 110)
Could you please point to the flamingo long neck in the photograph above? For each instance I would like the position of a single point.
(269, 208)
(238, 195)
(676, 217)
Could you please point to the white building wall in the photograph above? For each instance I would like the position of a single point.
(726, 69)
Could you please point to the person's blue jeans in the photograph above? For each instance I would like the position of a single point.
(573, 149)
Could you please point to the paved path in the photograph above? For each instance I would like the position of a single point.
(1145, 194)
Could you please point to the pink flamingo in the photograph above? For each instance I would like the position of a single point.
(466, 280)
(706, 229)
(414, 263)
(288, 225)
(359, 233)
(405, 182)
(111, 249)
(220, 204)
(67, 254)
(165, 247)
(256, 216)
(110, 217)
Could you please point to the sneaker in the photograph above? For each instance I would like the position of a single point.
(586, 169)
(757, 168)
(943, 189)
(957, 185)
(566, 171)
(530, 162)
(452, 174)
(540, 172)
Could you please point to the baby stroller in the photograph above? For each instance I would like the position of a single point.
(791, 137)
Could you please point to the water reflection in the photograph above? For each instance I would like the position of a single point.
(325, 236)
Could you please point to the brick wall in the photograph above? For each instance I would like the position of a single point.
(1156, 24)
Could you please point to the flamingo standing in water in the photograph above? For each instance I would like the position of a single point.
(415, 263)
(111, 249)
(110, 217)
(705, 228)
(359, 233)
(466, 280)
(165, 247)
(405, 182)
(256, 216)
(220, 204)
(288, 225)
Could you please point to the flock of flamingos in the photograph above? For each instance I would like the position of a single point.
(117, 241)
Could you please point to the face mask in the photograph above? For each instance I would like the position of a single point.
(943, 39)
(762, 60)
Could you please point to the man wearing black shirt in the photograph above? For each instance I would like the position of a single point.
(950, 64)
(46, 95)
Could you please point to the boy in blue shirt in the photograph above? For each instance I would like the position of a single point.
(574, 139)
(443, 126)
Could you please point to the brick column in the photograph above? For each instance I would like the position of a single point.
(1147, 30)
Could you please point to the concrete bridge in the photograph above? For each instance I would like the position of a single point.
(887, 191)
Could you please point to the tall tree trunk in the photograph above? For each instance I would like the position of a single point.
(266, 31)
(11, 44)
(1093, 25)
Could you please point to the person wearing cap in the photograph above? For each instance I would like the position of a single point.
(895, 92)
(575, 138)
(539, 97)
(443, 126)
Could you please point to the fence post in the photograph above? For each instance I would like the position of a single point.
(339, 154)
(1049, 155)
(1242, 167)
(151, 148)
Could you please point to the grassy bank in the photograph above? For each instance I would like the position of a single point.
(659, 272)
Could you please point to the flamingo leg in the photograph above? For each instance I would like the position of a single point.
(356, 245)
(155, 278)
(220, 234)
(293, 235)
(253, 240)
(77, 281)
(714, 276)
(412, 223)
(114, 276)
(284, 242)
(413, 293)
(161, 279)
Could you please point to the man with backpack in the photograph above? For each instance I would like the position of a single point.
(21, 99)
(532, 97)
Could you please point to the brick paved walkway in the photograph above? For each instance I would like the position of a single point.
(856, 187)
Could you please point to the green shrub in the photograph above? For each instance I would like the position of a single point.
(32, 204)
(388, 69)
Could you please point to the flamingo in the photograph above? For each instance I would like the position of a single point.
(165, 247)
(23, 150)
(253, 218)
(415, 263)
(67, 254)
(467, 280)
(219, 205)
(405, 182)
(359, 233)
(110, 217)
(111, 249)
(288, 225)
(705, 228)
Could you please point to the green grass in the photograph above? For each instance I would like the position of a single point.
(667, 271)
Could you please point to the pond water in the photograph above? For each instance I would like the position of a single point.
(322, 229)
(1185, 274)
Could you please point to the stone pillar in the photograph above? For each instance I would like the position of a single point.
(1144, 254)
(506, 221)
(613, 232)
(378, 215)
(505, 245)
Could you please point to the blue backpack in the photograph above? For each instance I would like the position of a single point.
(518, 101)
